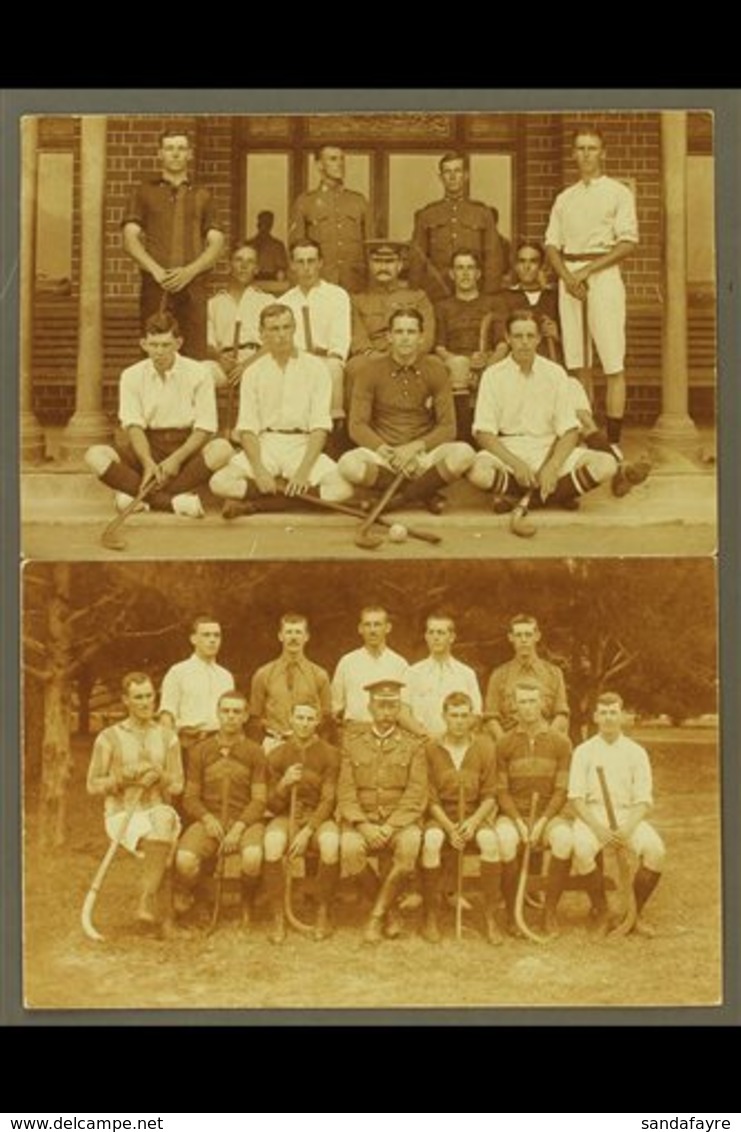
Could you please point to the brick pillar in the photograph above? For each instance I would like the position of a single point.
(674, 425)
(89, 424)
(32, 435)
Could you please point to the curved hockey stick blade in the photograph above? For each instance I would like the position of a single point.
(519, 524)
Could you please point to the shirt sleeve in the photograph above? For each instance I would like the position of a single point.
(130, 407)
(135, 211)
(565, 418)
(297, 228)
(563, 764)
(101, 778)
(321, 397)
(626, 219)
(361, 412)
(441, 325)
(174, 779)
(554, 232)
(493, 255)
(472, 687)
(328, 793)
(255, 808)
(489, 781)
(443, 431)
(193, 804)
(642, 779)
(204, 398)
(578, 774)
(170, 695)
(560, 702)
(341, 324)
(258, 694)
(486, 415)
(413, 801)
(249, 409)
(347, 795)
(210, 219)
(211, 334)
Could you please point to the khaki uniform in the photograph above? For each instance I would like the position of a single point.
(443, 227)
(340, 221)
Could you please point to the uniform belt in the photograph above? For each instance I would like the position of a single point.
(571, 256)
(287, 431)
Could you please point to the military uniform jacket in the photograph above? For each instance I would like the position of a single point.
(340, 221)
(443, 227)
(371, 311)
(383, 780)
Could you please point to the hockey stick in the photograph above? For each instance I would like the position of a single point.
(522, 880)
(364, 537)
(110, 538)
(86, 916)
(380, 520)
(293, 920)
(625, 872)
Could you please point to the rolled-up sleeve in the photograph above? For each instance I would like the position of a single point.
(341, 328)
(487, 416)
(249, 407)
(130, 400)
(565, 419)
(554, 231)
(626, 219)
(320, 402)
(577, 787)
(205, 415)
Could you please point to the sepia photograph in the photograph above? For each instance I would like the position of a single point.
(285, 336)
(315, 785)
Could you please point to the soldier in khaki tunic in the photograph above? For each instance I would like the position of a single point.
(444, 226)
(372, 308)
(382, 794)
(337, 218)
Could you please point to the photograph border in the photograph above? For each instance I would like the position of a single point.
(726, 106)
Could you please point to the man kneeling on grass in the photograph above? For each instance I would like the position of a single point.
(136, 766)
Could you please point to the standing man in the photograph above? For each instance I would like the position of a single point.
(302, 775)
(593, 227)
(322, 314)
(462, 775)
(533, 758)
(284, 421)
(291, 679)
(446, 225)
(402, 416)
(470, 333)
(431, 681)
(382, 795)
(192, 688)
(136, 767)
(500, 709)
(627, 771)
(272, 259)
(372, 662)
(168, 416)
(239, 302)
(337, 218)
(225, 795)
(527, 428)
(171, 231)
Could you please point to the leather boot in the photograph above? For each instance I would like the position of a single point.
(644, 883)
(274, 880)
(426, 489)
(156, 860)
(558, 874)
(491, 888)
(431, 891)
(327, 878)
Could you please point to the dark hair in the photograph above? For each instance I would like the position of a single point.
(374, 609)
(326, 145)
(305, 242)
(203, 619)
(452, 155)
(523, 243)
(293, 619)
(162, 323)
(610, 699)
(232, 694)
(457, 699)
(587, 130)
(521, 315)
(466, 251)
(407, 312)
(134, 678)
(174, 131)
(523, 619)
(243, 244)
(440, 615)
(274, 310)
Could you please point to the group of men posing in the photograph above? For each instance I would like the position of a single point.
(345, 383)
(405, 764)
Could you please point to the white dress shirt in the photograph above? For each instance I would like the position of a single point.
(355, 670)
(183, 398)
(431, 680)
(283, 399)
(224, 312)
(329, 314)
(513, 403)
(592, 216)
(191, 690)
(627, 771)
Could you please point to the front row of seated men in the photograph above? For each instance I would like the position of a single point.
(529, 422)
(387, 794)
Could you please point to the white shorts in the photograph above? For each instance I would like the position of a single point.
(644, 841)
(140, 825)
(532, 450)
(425, 460)
(282, 454)
(606, 307)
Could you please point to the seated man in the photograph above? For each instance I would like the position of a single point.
(167, 409)
(527, 428)
(402, 416)
(382, 794)
(530, 292)
(302, 793)
(290, 679)
(470, 333)
(239, 304)
(533, 758)
(461, 768)
(627, 772)
(372, 309)
(225, 795)
(136, 766)
(323, 321)
(284, 420)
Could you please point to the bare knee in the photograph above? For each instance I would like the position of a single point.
(329, 847)
(251, 860)
(481, 472)
(228, 482)
(217, 453)
(275, 844)
(356, 468)
(187, 864)
(459, 457)
(488, 844)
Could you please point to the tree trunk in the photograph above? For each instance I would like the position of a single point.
(56, 759)
(85, 682)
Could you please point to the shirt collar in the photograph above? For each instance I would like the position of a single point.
(171, 372)
(163, 180)
(404, 370)
(519, 728)
(129, 725)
